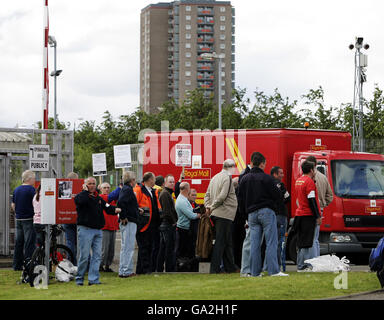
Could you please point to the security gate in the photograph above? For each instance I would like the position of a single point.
(4, 205)
(14, 159)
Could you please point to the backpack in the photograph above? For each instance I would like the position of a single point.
(376, 261)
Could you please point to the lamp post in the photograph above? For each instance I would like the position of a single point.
(219, 57)
(55, 73)
(361, 62)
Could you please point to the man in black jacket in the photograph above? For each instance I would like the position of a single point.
(128, 224)
(90, 221)
(258, 195)
(281, 211)
(167, 227)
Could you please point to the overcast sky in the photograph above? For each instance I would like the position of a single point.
(293, 45)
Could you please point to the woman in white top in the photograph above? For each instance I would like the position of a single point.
(39, 228)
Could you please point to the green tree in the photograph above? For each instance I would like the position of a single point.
(316, 113)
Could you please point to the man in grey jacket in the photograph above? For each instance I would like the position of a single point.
(221, 204)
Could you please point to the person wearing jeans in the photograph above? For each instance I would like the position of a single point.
(307, 215)
(128, 224)
(89, 238)
(246, 254)
(325, 195)
(128, 233)
(70, 231)
(263, 220)
(22, 205)
(90, 221)
(258, 196)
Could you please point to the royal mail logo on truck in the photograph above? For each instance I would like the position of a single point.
(200, 174)
(373, 210)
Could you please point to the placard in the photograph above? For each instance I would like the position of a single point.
(65, 205)
(99, 164)
(183, 154)
(122, 155)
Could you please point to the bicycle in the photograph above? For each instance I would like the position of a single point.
(57, 253)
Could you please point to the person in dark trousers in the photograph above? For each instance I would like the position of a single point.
(281, 210)
(185, 213)
(128, 224)
(22, 205)
(90, 221)
(258, 195)
(159, 186)
(167, 227)
(148, 222)
(221, 204)
(307, 215)
(109, 232)
(194, 223)
(238, 230)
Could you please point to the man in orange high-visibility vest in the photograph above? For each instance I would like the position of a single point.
(148, 222)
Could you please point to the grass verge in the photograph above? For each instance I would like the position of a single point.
(298, 286)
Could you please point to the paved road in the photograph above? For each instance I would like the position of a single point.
(373, 295)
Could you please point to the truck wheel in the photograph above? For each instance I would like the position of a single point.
(292, 250)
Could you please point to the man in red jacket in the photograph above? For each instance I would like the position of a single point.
(109, 232)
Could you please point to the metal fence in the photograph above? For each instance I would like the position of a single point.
(14, 159)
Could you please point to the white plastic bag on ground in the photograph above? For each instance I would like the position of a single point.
(65, 271)
(329, 263)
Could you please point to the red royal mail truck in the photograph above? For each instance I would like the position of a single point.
(353, 222)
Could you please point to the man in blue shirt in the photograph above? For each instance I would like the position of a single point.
(185, 214)
(23, 208)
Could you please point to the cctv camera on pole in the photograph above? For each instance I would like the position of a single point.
(361, 63)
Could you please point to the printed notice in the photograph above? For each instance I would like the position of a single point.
(122, 156)
(99, 163)
(183, 155)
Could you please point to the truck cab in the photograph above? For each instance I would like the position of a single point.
(354, 220)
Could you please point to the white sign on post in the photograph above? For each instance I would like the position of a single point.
(183, 155)
(99, 164)
(39, 157)
(48, 201)
(122, 155)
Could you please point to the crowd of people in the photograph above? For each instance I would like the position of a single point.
(161, 215)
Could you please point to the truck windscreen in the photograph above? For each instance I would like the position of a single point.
(358, 178)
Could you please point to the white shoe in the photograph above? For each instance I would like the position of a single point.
(280, 274)
(245, 275)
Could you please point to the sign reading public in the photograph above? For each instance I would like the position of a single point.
(39, 157)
